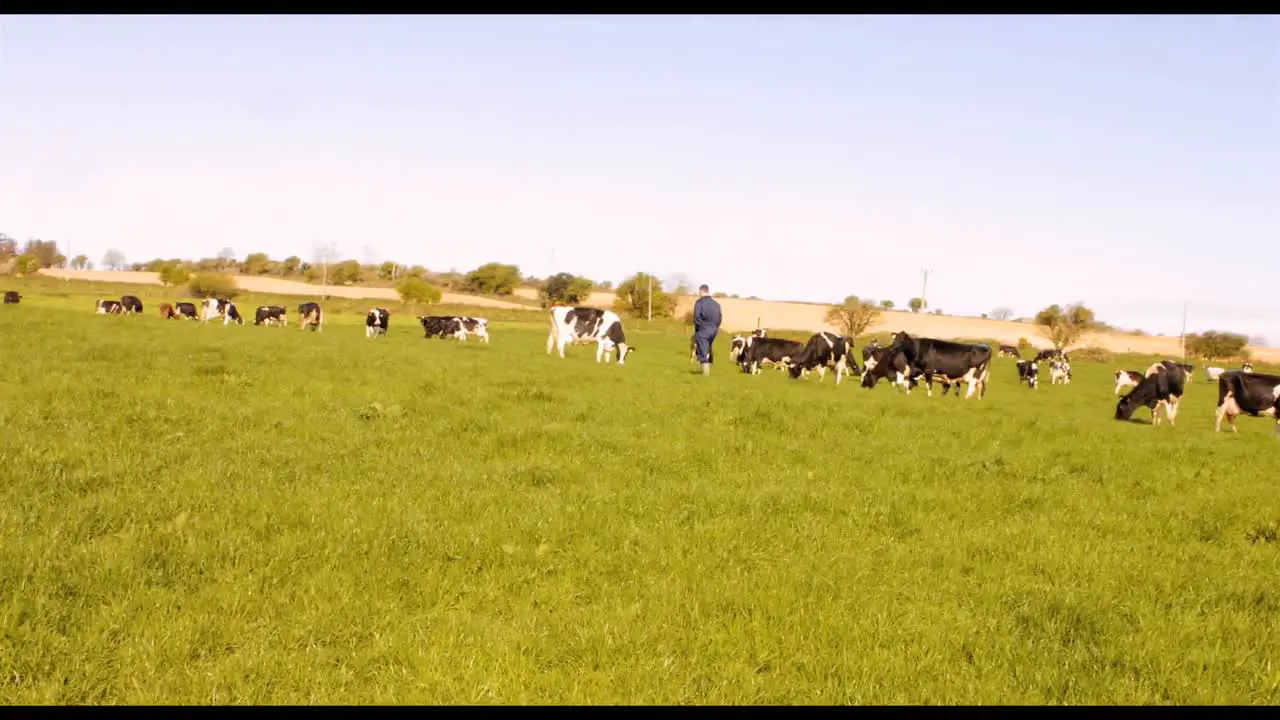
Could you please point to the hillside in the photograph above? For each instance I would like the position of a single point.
(739, 314)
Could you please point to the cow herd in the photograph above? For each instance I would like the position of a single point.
(904, 362)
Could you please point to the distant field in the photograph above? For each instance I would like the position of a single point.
(203, 514)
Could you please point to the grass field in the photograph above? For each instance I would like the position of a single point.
(200, 514)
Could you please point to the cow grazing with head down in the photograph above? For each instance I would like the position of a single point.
(187, 311)
(957, 362)
(1160, 389)
(310, 316)
(737, 344)
(442, 326)
(271, 315)
(824, 350)
(131, 304)
(1050, 354)
(580, 325)
(756, 351)
(1029, 373)
(1246, 393)
(11, 297)
(108, 307)
(167, 312)
(1009, 351)
(375, 322)
(891, 365)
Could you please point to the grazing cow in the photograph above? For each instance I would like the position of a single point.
(108, 307)
(579, 325)
(1246, 393)
(757, 351)
(1059, 372)
(956, 362)
(1050, 354)
(442, 326)
(1125, 378)
(736, 345)
(187, 311)
(131, 304)
(1160, 389)
(1009, 351)
(475, 326)
(167, 312)
(310, 316)
(1029, 373)
(11, 297)
(887, 364)
(271, 315)
(375, 323)
(221, 308)
(825, 350)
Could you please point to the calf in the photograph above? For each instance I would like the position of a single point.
(375, 323)
(955, 361)
(760, 350)
(131, 304)
(442, 326)
(1009, 351)
(310, 316)
(890, 365)
(187, 311)
(1059, 372)
(167, 312)
(1157, 390)
(1125, 378)
(579, 325)
(11, 297)
(271, 315)
(1029, 373)
(108, 307)
(824, 350)
(475, 326)
(1246, 393)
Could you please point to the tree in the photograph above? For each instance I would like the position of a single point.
(1215, 345)
(916, 304)
(416, 271)
(387, 271)
(886, 304)
(494, 279)
(255, 264)
(565, 289)
(1001, 313)
(291, 266)
(79, 262)
(113, 259)
(226, 258)
(605, 285)
(416, 290)
(853, 316)
(27, 264)
(8, 247)
(346, 272)
(632, 298)
(1064, 326)
(173, 274)
(209, 285)
(45, 252)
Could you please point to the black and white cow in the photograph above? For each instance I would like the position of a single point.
(736, 345)
(214, 308)
(1029, 373)
(1247, 367)
(1050, 354)
(1059, 372)
(890, 365)
(186, 310)
(11, 297)
(1009, 351)
(271, 315)
(1246, 393)
(131, 304)
(310, 316)
(757, 351)
(580, 325)
(108, 307)
(442, 326)
(375, 323)
(475, 326)
(869, 349)
(1213, 373)
(825, 350)
(1125, 378)
(1159, 389)
(955, 361)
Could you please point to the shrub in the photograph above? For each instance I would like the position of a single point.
(1216, 345)
(207, 285)
(565, 289)
(173, 275)
(1093, 353)
(415, 290)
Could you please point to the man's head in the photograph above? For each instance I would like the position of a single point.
(704, 290)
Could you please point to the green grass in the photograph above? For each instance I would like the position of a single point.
(208, 514)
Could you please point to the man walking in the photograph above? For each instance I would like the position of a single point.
(706, 323)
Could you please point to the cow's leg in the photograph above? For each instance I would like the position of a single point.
(971, 379)
(928, 382)
(1171, 411)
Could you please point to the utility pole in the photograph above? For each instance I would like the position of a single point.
(1184, 331)
(650, 298)
(924, 289)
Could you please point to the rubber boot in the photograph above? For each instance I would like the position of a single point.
(706, 368)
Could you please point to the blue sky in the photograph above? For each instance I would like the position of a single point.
(1130, 162)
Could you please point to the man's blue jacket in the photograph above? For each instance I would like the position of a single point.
(706, 316)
